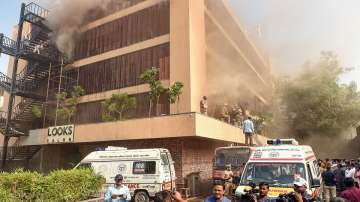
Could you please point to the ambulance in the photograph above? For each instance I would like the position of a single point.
(145, 171)
(279, 163)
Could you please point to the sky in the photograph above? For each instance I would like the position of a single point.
(293, 31)
(289, 32)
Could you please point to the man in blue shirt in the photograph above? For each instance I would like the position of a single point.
(218, 194)
(248, 129)
(119, 192)
(329, 183)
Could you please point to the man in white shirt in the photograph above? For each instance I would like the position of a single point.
(350, 170)
(119, 192)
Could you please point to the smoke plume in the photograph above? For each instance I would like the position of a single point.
(67, 17)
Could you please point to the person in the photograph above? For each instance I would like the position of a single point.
(351, 193)
(357, 176)
(339, 178)
(329, 183)
(350, 170)
(167, 196)
(204, 105)
(119, 192)
(37, 48)
(248, 129)
(225, 113)
(228, 176)
(263, 193)
(300, 186)
(218, 194)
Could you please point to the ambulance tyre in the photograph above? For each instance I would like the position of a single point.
(141, 196)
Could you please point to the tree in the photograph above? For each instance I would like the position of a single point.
(174, 93)
(116, 106)
(316, 103)
(67, 105)
(37, 111)
(156, 87)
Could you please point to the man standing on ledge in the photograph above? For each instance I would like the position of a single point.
(248, 129)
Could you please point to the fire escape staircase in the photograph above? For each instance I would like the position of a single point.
(36, 49)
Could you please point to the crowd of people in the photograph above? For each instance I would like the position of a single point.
(341, 178)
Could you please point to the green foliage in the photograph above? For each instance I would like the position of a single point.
(77, 184)
(67, 105)
(5, 195)
(316, 103)
(61, 185)
(174, 93)
(37, 111)
(116, 106)
(156, 87)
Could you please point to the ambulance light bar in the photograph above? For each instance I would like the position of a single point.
(112, 148)
(282, 142)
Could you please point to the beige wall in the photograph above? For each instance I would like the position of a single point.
(179, 50)
(184, 125)
(187, 49)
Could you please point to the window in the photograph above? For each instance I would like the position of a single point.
(310, 174)
(164, 159)
(144, 167)
(276, 174)
(84, 165)
(316, 167)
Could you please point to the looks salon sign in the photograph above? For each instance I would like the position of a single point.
(61, 134)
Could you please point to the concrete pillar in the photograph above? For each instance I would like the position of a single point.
(187, 52)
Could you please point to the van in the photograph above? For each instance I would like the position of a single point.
(145, 171)
(279, 163)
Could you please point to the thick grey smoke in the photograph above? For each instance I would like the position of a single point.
(230, 78)
(66, 19)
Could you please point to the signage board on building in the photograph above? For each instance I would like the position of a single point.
(61, 134)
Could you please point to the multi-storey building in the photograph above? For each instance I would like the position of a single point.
(196, 42)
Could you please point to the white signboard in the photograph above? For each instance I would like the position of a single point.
(61, 134)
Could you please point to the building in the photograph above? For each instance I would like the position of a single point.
(195, 42)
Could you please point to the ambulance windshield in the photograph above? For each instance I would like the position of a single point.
(276, 174)
(234, 156)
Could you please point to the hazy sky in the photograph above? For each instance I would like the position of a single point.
(292, 31)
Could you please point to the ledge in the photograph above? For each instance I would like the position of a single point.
(170, 126)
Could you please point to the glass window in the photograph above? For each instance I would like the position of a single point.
(234, 156)
(164, 159)
(276, 174)
(84, 165)
(144, 167)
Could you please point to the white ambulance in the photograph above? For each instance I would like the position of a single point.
(279, 163)
(145, 171)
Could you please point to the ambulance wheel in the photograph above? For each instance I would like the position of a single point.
(141, 196)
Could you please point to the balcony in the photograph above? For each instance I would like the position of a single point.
(169, 126)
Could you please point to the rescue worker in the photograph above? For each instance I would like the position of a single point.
(225, 113)
(204, 106)
(248, 129)
(228, 176)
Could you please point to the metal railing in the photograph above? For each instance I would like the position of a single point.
(36, 10)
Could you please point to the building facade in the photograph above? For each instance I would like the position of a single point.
(198, 43)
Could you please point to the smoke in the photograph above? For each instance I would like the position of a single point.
(68, 16)
(230, 78)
